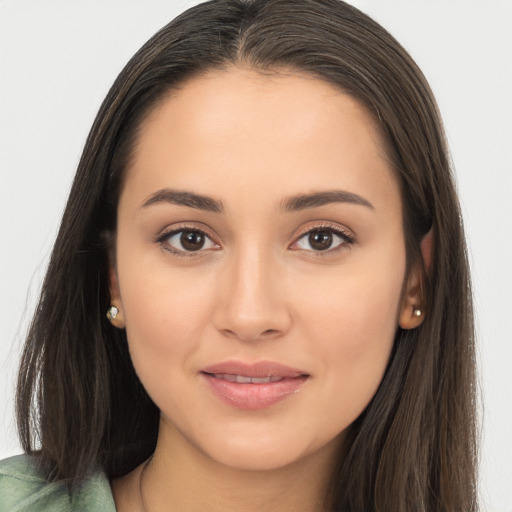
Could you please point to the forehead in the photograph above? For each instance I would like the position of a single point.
(246, 98)
(249, 129)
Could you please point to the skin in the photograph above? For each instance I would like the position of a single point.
(257, 290)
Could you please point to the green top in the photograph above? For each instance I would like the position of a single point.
(24, 489)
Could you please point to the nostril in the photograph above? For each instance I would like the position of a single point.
(246, 336)
(228, 332)
(269, 332)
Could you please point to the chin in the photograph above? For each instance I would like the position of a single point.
(268, 453)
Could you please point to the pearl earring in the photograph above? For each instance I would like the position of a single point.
(112, 313)
(417, 312)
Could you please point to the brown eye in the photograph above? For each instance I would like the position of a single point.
(320, 240)
(323, 239)
(192, 240)
(185, 241)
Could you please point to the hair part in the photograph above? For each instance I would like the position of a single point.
(80, 405)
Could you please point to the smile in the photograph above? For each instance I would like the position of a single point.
(253, 386)
(243, 379)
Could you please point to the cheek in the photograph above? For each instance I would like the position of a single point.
(165, 313)
(355, 306)
(353, 322)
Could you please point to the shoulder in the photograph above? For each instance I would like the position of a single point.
(23, 488)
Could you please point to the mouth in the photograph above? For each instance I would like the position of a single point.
(253, 386)
(243, 379)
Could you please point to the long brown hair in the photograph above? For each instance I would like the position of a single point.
(80, 405)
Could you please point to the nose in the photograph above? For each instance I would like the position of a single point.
(252, 303)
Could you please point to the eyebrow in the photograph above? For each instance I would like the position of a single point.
(316, 199)
(291, 204)
(182, 198)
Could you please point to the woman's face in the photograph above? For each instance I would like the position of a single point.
(259, 265)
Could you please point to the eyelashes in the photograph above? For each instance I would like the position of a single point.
(187, 241)
(324, 238)
(321, 239)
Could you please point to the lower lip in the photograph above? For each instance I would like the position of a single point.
(254, 396)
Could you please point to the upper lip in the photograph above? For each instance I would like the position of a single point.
(258, 369)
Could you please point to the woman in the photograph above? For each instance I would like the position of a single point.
(264, 209)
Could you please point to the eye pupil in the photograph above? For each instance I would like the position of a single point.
(320, 240)
(192, 240)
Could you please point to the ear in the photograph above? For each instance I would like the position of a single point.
(115, 311)
(412, 313)
(426, 248)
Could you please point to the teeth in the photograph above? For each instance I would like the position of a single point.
(242, 379)
(264, 380)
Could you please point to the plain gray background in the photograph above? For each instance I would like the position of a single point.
(57, 61)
